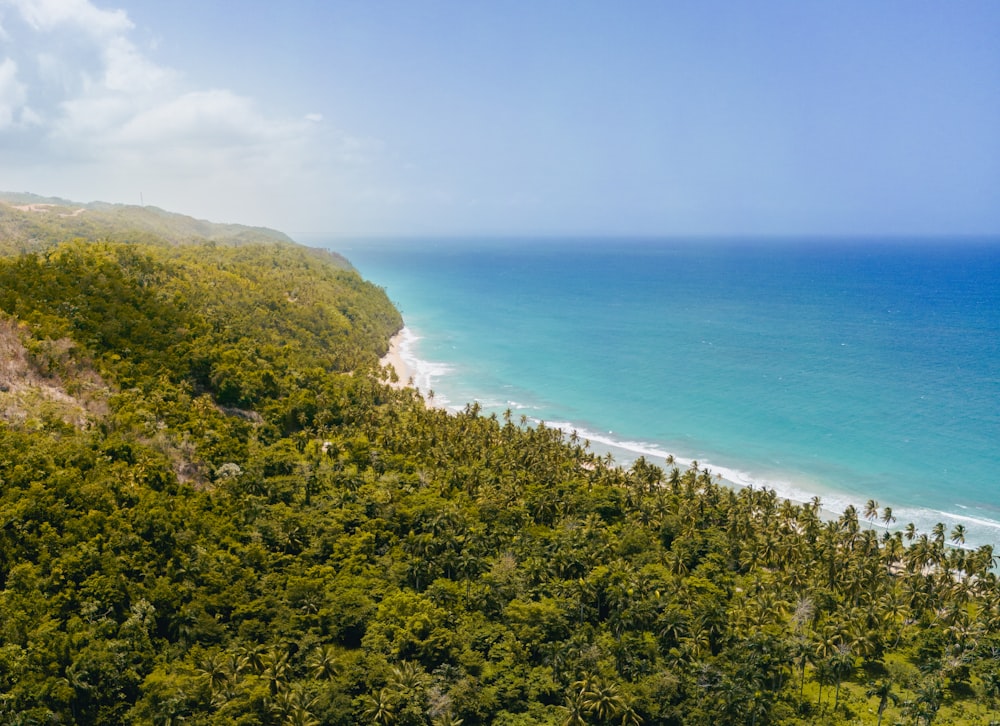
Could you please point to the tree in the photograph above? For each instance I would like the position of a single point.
(160, 562)
(630, 716)
(575, 710)
(276, 670)
(379, 708)
(322, 663)
(841, 667)
(926, 702)
(870, 510)
(604, 700)
(215, 668)
(883, 691)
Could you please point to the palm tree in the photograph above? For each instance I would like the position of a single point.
(215, 669)
(575, 709)
(829, 642)
(887, 516)
(841, 667)
(322, 663)
(293, 707)
(892, 548)
(300, 716)
(446, 719)
(802, 652)
(927, 702)
(630, 717)
(983, 560)
(169, 711)
(236, 663)
(407, 676)
(958, 534)
(276, 670)
(379, 709)
(254, 657)
(871, 510)
(604, 700)
(991, 684)
(883, 690)
(823, 676)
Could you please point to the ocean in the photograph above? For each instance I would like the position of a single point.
(844, 369)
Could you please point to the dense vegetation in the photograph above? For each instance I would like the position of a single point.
(29, 223)
(215, 510)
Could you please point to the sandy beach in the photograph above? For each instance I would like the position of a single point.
(394, 358)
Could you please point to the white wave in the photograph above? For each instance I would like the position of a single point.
(516, 406)
(497, 405)
(425, 373)
(979, 529)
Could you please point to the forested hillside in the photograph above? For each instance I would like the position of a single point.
(215, 510)
(29, 223)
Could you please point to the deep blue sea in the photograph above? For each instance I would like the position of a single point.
(844, 369)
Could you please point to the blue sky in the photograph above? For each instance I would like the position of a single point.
(329, 118)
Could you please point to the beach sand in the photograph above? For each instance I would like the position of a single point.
(406, 374)
(394, 358)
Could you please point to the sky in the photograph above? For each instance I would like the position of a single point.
(336, 118)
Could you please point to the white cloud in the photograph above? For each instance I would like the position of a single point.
(45, 15)
(128, 71)
(11, 94)
(106, 117)
(216, 117)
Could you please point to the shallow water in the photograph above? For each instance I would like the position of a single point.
(847, 369)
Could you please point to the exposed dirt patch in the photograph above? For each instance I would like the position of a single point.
(48, 208)
(28, 393)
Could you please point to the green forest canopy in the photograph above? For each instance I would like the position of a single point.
(215, 510)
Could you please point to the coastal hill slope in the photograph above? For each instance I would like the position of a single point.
(215, 509)
(29, 222)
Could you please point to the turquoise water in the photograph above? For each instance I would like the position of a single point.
(848, 370)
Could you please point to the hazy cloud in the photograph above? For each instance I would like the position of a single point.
(11, 93)
(47, 14)
(81, 94)
(101, 91)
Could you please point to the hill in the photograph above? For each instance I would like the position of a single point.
(215, 510)
(29, 222)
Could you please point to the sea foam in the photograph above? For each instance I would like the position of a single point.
(425, 373)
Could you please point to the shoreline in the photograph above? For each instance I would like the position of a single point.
(417, 374)
(394, 358)
(691, 381)
(833, 502)
(409, 372)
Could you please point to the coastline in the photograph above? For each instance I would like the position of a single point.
(833, 502)
(857, 402)
(412, 372)
(400, 357)
(418, 374)
(394, 358)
